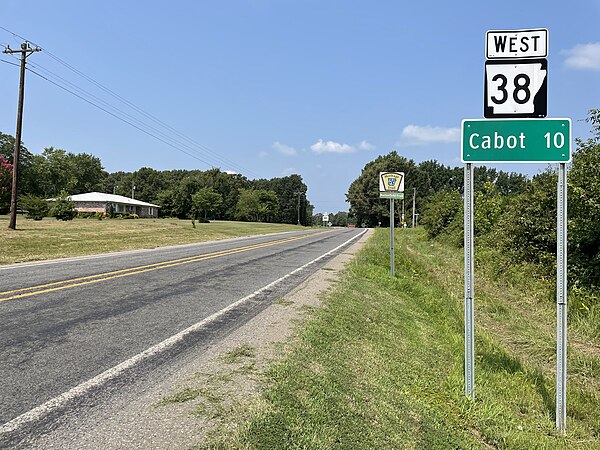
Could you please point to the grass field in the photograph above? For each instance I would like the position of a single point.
(49, 238)
(380, 366)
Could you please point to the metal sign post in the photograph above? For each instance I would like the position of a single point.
(561, 300)
(392, 268)
(469, 285)
(391, 185)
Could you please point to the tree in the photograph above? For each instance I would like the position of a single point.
(6, 169)
(27, 179)
(339, 219)
(182, 197)
(55, 172)
(88, 171)
(248, 206)
(268, 207)
(207, 200)
(37, 207)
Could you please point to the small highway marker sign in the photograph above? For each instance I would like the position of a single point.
(391, 185)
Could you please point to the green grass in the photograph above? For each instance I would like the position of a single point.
(238, 354)
(380, 365)
(49, 238)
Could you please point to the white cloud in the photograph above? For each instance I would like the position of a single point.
(230, 172)
(583, 56)
(284, 149)
(364, 145)
(263, 154)
(335, 147)
(416, 135)
(287, 172)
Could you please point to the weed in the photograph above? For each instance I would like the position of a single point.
(237, 354)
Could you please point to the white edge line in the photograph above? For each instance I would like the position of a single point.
(80, 390)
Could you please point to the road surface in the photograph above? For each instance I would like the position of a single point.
(72, 329)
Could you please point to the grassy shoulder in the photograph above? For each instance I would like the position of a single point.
(381, 363)
(49, 238)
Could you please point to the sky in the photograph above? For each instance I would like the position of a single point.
(269, 88)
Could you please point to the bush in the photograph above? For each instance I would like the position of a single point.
(37, 207)
(440, 212)
(63, 208)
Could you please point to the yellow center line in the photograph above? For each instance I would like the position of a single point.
(91, 279)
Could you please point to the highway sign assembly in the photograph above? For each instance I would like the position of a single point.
(516, 74)
(516, 140)
(391, 185)
(515, 104)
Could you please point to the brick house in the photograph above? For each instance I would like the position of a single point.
(100, 202)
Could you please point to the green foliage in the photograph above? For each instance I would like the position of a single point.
(206, 200)
(37, 207)
(63, 208)
(248, 205)
(440, 211)
(488, 204)
(584, 207)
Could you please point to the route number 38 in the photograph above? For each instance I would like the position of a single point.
(511, 89)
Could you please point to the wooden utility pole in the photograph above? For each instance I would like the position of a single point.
(25, 51)
(299, 194)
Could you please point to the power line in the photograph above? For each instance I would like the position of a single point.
(9, 62)
(119, 118)
(202, 149)
(82, 92)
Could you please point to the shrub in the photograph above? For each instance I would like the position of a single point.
(63, 208)
(37, 207)
(440, 212)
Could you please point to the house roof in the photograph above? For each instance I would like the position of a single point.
(109, 198)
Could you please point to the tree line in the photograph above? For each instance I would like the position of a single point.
(208, 194)
(422, 180)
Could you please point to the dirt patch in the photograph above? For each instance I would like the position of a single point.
(214, 391)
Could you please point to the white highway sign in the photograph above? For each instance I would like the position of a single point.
(516, 44)
(516, 88)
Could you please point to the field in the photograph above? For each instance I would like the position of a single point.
(49, 238)
(380, 365)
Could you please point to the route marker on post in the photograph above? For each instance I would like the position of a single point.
(516, 75)
(391, 185)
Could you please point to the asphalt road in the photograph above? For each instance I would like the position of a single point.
(69, 328)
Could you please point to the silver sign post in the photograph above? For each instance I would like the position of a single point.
(561, 300)
(392, 268)
(469, 320)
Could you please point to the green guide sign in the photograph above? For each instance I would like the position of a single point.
(516, 140)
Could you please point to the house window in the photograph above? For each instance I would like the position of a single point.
(150, 211)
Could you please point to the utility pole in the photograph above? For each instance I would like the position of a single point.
(133, 192)
(299, 193)
(403, 213)
(414, 195)
(25, 51)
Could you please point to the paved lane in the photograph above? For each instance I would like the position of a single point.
(65, 322)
